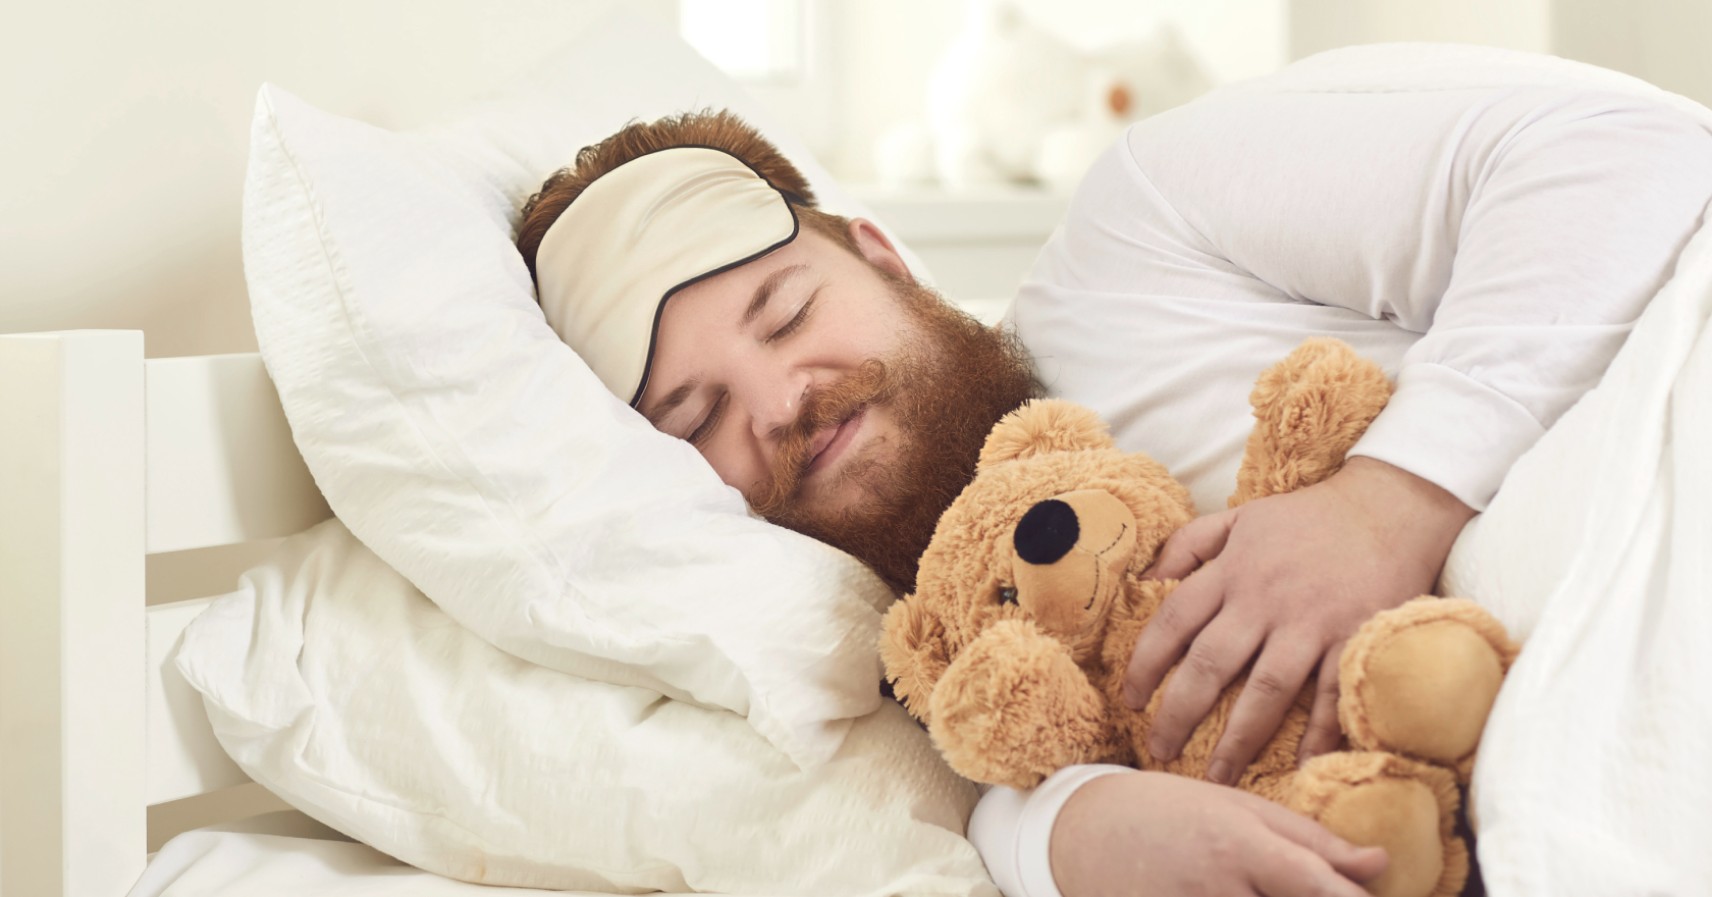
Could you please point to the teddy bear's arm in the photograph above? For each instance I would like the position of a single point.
(1309, 410)
(1014, 707)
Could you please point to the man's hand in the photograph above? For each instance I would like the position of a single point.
(1185, 838)
(1284, 581)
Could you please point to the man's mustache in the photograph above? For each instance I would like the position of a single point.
(829, 406)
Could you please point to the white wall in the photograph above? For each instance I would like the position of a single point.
(1662, 41)
(127, 127)
(1317, 25)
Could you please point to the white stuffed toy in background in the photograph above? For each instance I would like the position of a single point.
(1011, 103)
(997, 90)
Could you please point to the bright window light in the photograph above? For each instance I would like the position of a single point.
(754, 40)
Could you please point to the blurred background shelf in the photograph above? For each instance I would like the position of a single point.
(978, 243)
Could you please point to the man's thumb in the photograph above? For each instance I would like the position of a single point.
(1193, 545)
(1361, 864)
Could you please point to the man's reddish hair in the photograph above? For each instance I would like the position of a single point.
(719, 129)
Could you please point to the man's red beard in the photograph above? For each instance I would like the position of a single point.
(946, 390)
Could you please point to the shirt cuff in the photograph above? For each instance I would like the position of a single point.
(1012, 829)
(1451, 430)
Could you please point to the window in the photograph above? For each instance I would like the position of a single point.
(752, 40)
(783, 52)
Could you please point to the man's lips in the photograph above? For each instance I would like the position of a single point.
(831, 442)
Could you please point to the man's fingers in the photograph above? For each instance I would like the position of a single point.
(1323, 733)
(1217, 656)
(1290, 870)
(1181, 617)
(1348, 860)
(1191, 547)
(1271, 690)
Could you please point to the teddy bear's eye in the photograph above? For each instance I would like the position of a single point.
(1007, 595)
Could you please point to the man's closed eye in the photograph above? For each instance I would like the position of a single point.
(705, 429)
(797, 321)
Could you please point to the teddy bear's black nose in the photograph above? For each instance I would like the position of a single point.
(1047, 532)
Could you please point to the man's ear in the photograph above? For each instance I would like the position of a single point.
(913, 649)
(879, 251)
(1042, 426)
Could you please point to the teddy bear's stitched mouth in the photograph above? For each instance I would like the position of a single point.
(1122, 528)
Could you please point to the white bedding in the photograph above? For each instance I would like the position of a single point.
(336, 684)
(212, 862)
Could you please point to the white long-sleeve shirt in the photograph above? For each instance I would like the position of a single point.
(1489, 247)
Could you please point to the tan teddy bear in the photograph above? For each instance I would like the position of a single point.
(1029, 601)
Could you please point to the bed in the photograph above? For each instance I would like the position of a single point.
(85, 675)
(109, 459)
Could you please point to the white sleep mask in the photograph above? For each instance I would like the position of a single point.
(640, 233)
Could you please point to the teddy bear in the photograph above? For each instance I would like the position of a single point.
(1029, 600)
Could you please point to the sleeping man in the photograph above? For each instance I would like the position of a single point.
(1490, 247)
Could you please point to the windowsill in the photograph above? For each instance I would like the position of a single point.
(976, 246)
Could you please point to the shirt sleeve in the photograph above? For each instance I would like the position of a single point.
(1012, 829)
(1521, 231)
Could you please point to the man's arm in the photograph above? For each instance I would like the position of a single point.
(1100, 830)
(1012, 829)
(1522, 232)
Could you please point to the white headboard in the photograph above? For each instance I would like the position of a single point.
(106, 458)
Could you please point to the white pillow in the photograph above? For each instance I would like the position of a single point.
(336, 684)
(475, 453)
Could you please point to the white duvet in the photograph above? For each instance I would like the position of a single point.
(1595, 774)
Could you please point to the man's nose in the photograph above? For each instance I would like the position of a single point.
(777, 403)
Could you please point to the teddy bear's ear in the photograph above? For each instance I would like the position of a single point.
(1041, 426)
(912, 646)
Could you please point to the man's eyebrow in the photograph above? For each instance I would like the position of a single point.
(673, 399)
(766, 290)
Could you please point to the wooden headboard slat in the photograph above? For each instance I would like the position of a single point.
(72, 818)
(222, 468)
(107, 457)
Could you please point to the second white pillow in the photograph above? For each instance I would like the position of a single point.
(338, 686)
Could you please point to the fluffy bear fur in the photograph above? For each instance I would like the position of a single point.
(1030, 600)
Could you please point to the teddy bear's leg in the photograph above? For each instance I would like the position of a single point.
(1014, 708)
(1406, 807)
(1420, 680)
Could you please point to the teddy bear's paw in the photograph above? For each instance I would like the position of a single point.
(1421, 679)
(1406, 807)
(1013, 708)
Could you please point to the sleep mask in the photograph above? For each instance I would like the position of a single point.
(638, 234)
